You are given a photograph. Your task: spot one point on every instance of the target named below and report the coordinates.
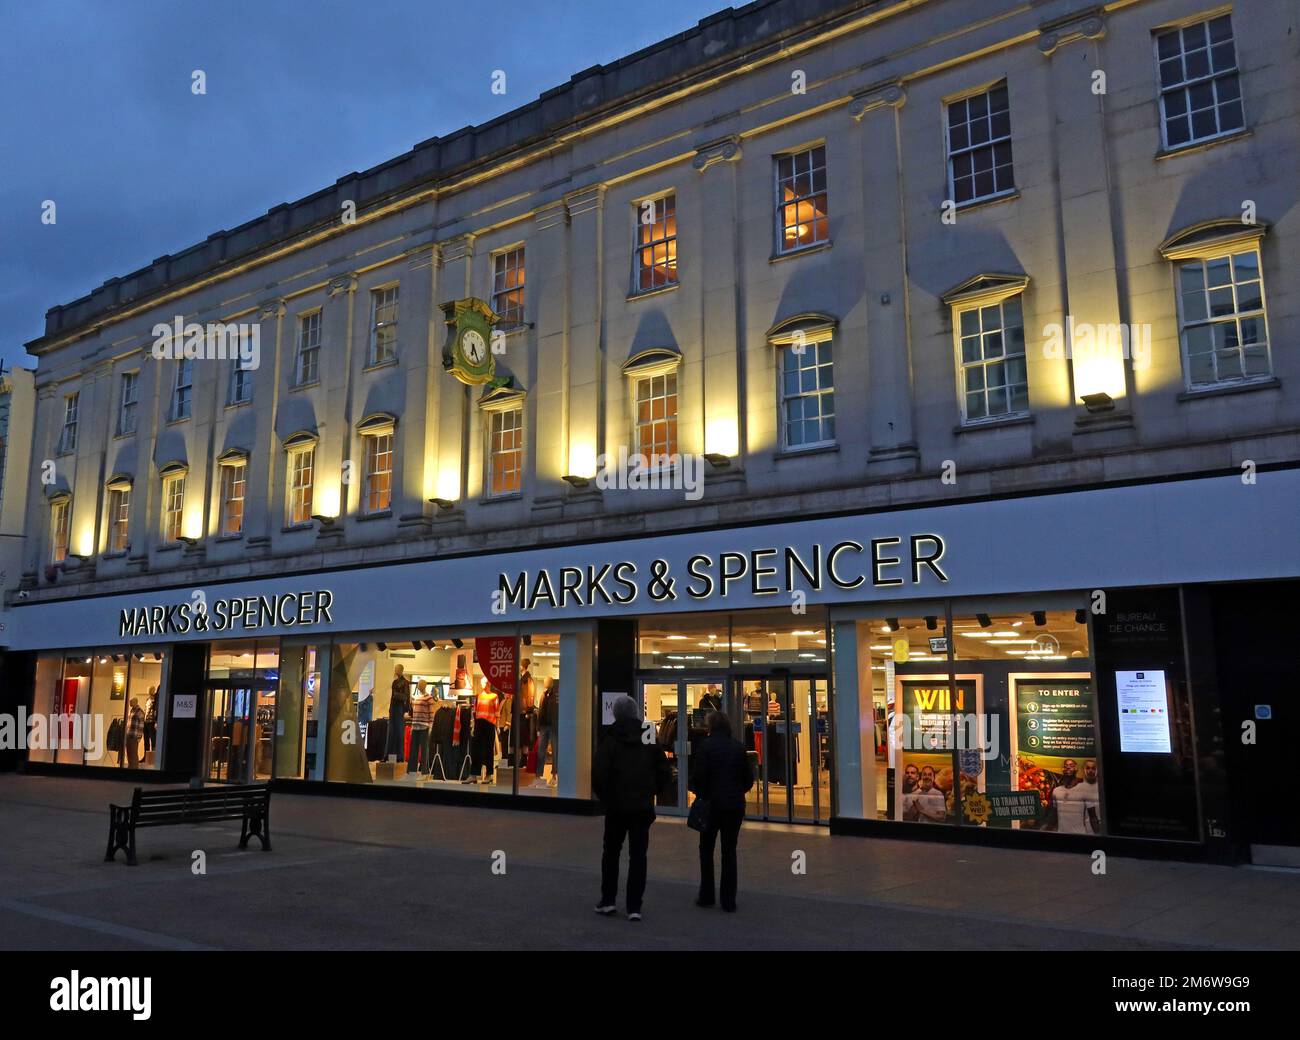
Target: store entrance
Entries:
(786, 730)
(240, 733)
(678, 710)
(784, 724)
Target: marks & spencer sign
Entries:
(783, 571)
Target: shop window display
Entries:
(104, 705)
(995, 727)
(419, 711)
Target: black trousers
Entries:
(635, 827)
(482, 748)
(727, 823)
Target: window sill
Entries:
(1226, 389)
(294, 528)
(238, 404)
(229, 538)
(491, 500)
(988, 200)
(789, 254)
(383, 514)
(994, 424)
(389, 363)
(643, 294)
(800, 453)
(177, 421)
(304, 386)
(170, 547)
(122, 434)
(1204, 143)
(64, 451)
(115, 555)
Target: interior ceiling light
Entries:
(931, 622)
(892, 623)
(1081, 616)
(1040, 618)
(984, 620)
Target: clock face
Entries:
(474, 347)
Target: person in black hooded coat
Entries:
(722, 775)
(628, 773)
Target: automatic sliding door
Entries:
(660, 705)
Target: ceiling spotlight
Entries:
(382, 646)
(931, 622)
(429, 644)
(892, 623)
(363, 647)
(984, 620)
(1081, 616)
(157, 657)
(459, 644)
(415, 644)
(1040, 618)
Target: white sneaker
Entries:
(539, 782)
(634, 917)
(606, 909)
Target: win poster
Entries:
(937, 767)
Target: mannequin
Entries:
(487, 712)
(422, 707)
(398, 709)
(150, 721)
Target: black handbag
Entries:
(698, 819)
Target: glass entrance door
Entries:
(786, 731)
(678, 711)
(241, 734)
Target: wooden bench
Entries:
(249, 803)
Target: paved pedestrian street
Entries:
(360, 874)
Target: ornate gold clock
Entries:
(467, 354)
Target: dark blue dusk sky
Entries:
(96, 112)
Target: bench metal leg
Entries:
(257, 826)
(121, 835)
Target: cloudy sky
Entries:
(97, 114)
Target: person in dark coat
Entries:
(722, 775)
(630, 769)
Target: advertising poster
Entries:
(931, 734)
(496, 659)
(1056, 753)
